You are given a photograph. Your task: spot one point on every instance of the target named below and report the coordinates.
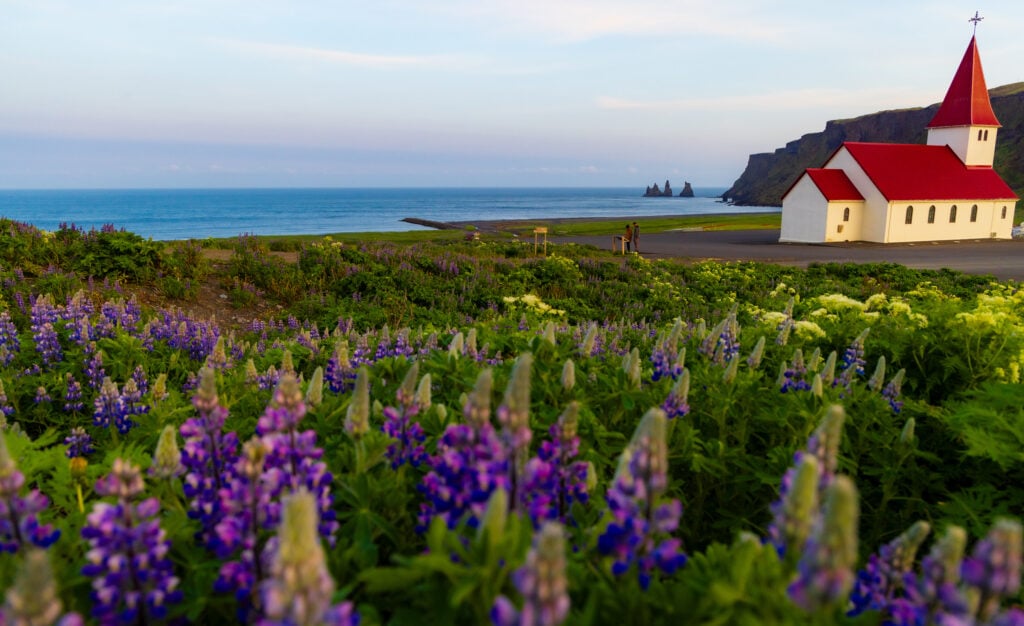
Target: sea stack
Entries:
(656, 192)
(687, 191)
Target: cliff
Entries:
(769, 175)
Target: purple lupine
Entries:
(514, 417)
(552, 480)
(823, 445)
(794, 377)
(722, 344)
(248, 500)
(133, 403)
(109, 407)
(398, 424)
(468, 466)
(209, 456)
(94, 372)
(339, 373)
(294, 453)
(931, 596)
(852, 364)
(73, 395)
(825, 571)
(6, 409)
(882, 580)
(994, 567)
(541, 581)
(639, 527)
(891, 392)
(10, 345)
(42, 395)
(677, 402)
(133, 578)
(299, 588)
(19, 515)
(79, 443)
(140, 379)
(44, 316)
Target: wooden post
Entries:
(537, 232)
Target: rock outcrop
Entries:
(656, 192)
(687, 191)
(769, 175)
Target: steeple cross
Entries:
(977, 18)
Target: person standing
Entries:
(636, 238)
(628, 237)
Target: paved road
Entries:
(1004, 259)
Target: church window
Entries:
(931, 214)
(910, 215)
(952, 214)
(986, 134)
(1004, 213)
(846, 214)
(974, 213)
(979, 134)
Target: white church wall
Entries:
(873, 215)
(989, 220)
(838, 229)
(803, 213)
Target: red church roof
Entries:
(913, 172)
(966, 102)
(835, 185)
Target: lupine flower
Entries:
(638, 525)
(794, 513)
(878, 377)
(109, 406)
(315, 390)
(167, 458)
(10, 345)
(754, 360)
(568, 375)
(891, 392)
(931, 596)
(44, 316)
(159, 388)
(299, 589)
(42, 395)
(542, 583)
(993, 569)
(357, 419)
(552, 480)
(586, 348)
(73, 396)
(398, 424)
(468, 466)
(879, 583)
(828, 371)
(133, 404)
(423, 399)
(140, 379)
(19, 515)
(514, 417)
(823, 445)
(209, 456)
(677, 402)
(133, 579)
(722, 344)
(825, 572)
(794, 377)
(294, 453)
(455, 348)
(34, 598)
(853, 361)
(5, 407)
(79, 443)
(631, 366)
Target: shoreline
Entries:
(511, 224)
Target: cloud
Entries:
(792, 100)
(344, 57)
(579, 20)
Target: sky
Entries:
(449, 93)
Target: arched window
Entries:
(974, 213)
(931, 214)
(910, 215)
(846, 214)
(986, 134)
(952, 214)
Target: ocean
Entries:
(173, 214)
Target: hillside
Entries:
(769, 175)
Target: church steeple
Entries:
(965, 121)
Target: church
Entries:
(894, 193)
